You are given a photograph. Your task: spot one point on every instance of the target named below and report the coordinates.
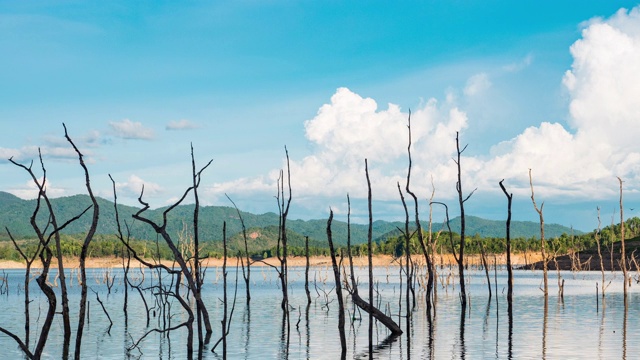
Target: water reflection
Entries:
(510, 331)
(624, 328)
(544, 326)
(463, 317)
(577, 328)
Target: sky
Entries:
(546, 86)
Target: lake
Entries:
(581, 326)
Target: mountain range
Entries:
(15, 215)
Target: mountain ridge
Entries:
(15, 214)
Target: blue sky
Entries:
(544, 85)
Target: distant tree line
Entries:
(111, 246)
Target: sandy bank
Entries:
(378, 260)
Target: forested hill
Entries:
(15, 214)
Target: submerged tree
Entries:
(623, 253)
(545, 265)
(185, 271)
(85, 247)
(246, 274)
(283, 209)
(508, 234)
(336, 274)
(45, 253)
(420, 235)
(461, 201)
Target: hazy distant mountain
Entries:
(15, 214)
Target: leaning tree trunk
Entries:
(362, 304)
(336, 274)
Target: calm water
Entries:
(575, 328)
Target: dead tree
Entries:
(432, 242)
(160, 290)
(545, 265)
(56, 235)
(461, 201)
(85, 247)
(623, 253)
(283, 209)
(28, 259)
(201, 311)
(419, 233)
(161, 229)
(306, 271)
(44, 235)
(485, 266)
(369, 255)
(247, 275)
(336, 274)
(597, 237)
(508, 231)
(355, 297)
(407, 239)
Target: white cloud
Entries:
(520, 65)
(579, 163)
(29, 190)
(182, 124)
(133, 187)
(351, 128)
(603, 86)
(128, 129)
(28, 153)
(477, 84)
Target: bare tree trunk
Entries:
(247, 276)
(486, 267)
(336, 274)
(85, 247)
(46, 256)
(597, 236)
(407, 252)
(419, 233)
(224, 301)
(545, 265)
(433, 276)
(306, 270)
(46, 259)
(362, 304)
(461, 201)
(283, 206)
(623, 253)
(27, 275)
(370, 254)
(509, 268)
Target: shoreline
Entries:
(293, 261)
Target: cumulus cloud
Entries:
(128, 129)
(182, 124)
(581, 162)
(349, 130)
(133, 186)
(603, 86)
(477, 84)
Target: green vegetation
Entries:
(262, 232)
(262, 243)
